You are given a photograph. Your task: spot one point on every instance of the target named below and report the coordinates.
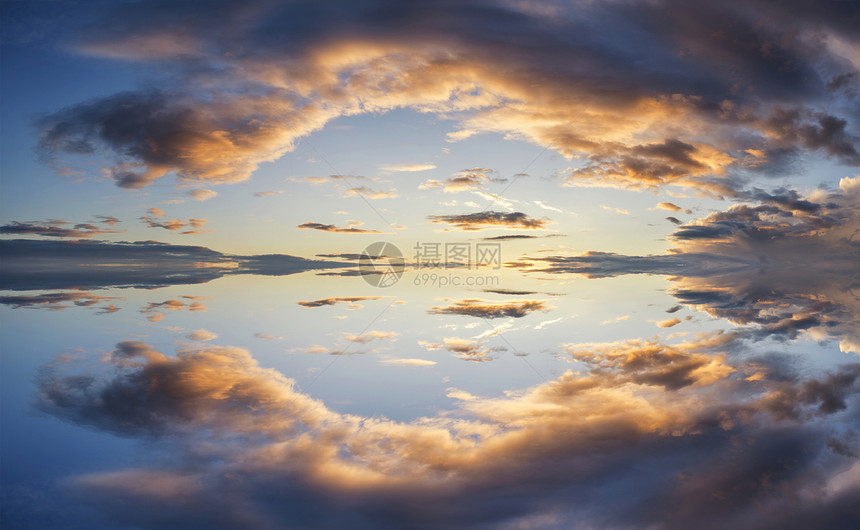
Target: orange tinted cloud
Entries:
(634, 399)
(483, 309)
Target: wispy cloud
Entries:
(338, 229)
(483, 309)
(60, 228)
(370, 336)
(407, 168)
(369, 193)
(407, 362)
(155, 218)
(202, 335)
(466, 349)
(59, 301)
(351, 301)
(202, 194)
(466, 180)
(486, 220)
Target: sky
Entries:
(474, 264)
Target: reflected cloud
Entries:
(483, 309)
(351, 301)
(155, 311)
(708, 432)
(60, 301)
(370, 336)
(466, 349)
(37, 264)
(407, 362)
(783, 267)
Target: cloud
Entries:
(547, 207)
(202, 194)
(108, 219)
(466, 349)
(352, 301)
(407, 168)
(407, 362)
(337, 229)
(317, 349)
(154, 219)
(483, 309)
(486, 220)
(370, 336)
(782, 267)
(780, 89)
(267, 193)
(510, 292)
(59, 228)
(513, 237)
(59, 301)
(369, 193)
(202, 335)
(652, 363)
(669, 206)
(465, 180)
(546, 323)
(154, 312)
(668, 323)
(685, 425)
(616, 210)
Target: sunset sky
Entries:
(649, 317)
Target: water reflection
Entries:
(725, 403)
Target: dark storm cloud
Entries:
(821, 131)
(487, 220)
(36, 264)
(666, 426)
